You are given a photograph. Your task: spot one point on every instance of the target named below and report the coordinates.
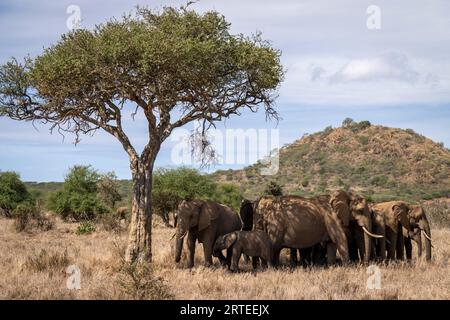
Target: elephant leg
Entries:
(207, 250)
(263, 263)
(392, 247)
(255, 263)
(382, 249)
(331, 253)
(276, 256)
(235, 258)
(318, 255)
(222, 258)
(293, 260)
(191, 249)
(361, 248)
(400, 246)
(229, 255)
(353, 251)
(408, 248)
(306, 256)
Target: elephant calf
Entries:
(255, 244)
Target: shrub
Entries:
(110, 222)
(12, 192)
(85, 227)
(171, 186)
(28, 217)
(108, 189)
(78, 200)
(228, 194)
(273, 189)
(305, 182)
(364, 140)
(348, 123)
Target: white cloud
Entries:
(386, 79)
(391, 66)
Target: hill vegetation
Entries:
(380, 162)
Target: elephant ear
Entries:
(208, 211)
(339, 201)
(230, 239)
(401, 213)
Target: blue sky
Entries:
(398, 75)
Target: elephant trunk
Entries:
(179, 243)
(427, 233)
(419, 244)
(367, 247)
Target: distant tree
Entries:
(108, 189)
(327, 130)
(78, 198)
(273, 189)
(171, 186)
(228, 194)
(12, 192)
(176, 66)
(364, 124)
(348, 122)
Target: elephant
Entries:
(296, 222)
(394, 216)
(255, 244)
(204, 221)
(419, 224)
(356, 219)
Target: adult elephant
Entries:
(204, 221)
(296, 222)
(394, 216)
(419, 224)
(355, 216)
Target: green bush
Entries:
(28, 217)
(171, 186)
(229, 195)
(76, 206)
(364, 140)
(85, 227)
(273, 189)
(78, 200)
(12, 192)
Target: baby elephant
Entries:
(255, 244)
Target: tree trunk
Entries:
(140, 233)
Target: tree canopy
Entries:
(176, 60)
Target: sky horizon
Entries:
(394, 73)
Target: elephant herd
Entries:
(318, 228)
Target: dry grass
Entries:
(34, 267)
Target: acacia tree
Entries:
(175, 66)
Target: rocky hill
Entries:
(380, 162)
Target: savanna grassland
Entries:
(34, 267)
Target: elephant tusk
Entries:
(426, 236)
(184, 234)
(371, 234)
